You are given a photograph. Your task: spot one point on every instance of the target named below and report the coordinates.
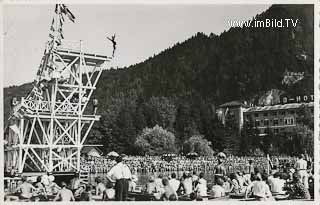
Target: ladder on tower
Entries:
(84, 176)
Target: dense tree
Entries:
(198, 144)
(155, 141)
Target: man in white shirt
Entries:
(174, 183)
(120, 174)
(301, 169)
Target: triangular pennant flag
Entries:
(70, 15)
(63, 9)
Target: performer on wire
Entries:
(114, 43)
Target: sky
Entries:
(141, 31)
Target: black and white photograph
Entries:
(158, 102)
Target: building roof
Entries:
(278, 107)
(87, 149)
(233, 104)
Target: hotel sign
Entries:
(296, 99)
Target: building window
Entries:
(289, 121)
(274, 113)
(257, 123)
(266, 122)
(292, 112)
(283, 112)
(262, 131)
(265, 114)
(256, 114)
(276, 131)
(275, 122)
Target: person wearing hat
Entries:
(120, 174)
(25, 189)
(301, 169)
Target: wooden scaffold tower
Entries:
(49, 127)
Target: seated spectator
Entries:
(132, 183)
(40, 188)
(235, 186)
(109, 193)
(201, 188)
(187, 184)
(174, 183)
(298, 189)
(158, 182)
(276, 184)
(64, 194)
(86, 194)
(217, 190)
(151, 186)
(169, 194)
(258, 189)
(52, 187)
(25, 189)
(100, 188)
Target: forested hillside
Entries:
(179, 88)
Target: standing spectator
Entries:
(220, 169)
(121, 174)
(301, 169)
(95, 105)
